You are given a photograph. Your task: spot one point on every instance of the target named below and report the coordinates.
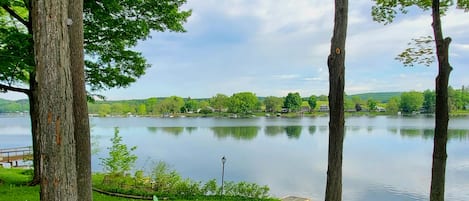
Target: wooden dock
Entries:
(13, 155)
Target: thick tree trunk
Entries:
(336, 64)
(52, 57)
(437, 189)
(80, 107)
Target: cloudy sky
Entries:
(272, 47)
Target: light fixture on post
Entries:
(223, 161)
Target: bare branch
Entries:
(5, 88)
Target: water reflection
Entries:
(274, 130)
(312, 129)
(152, 129)
(191, 129)
(239, 133)
(286, 158)
(293, 132)
(427, 134)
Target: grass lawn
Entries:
(13, 187)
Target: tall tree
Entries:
(411, 101)
(312, 102)
(293, 102)
(80, 107)
(111, 28)
(243, 102)
(429, 99)
(336, 64)
(385, 11)
(55, 100)
(273, 104)
(219, 102)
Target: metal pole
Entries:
(223, 160)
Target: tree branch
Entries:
(10, 88)
(15, 15)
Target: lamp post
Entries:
(223, 161)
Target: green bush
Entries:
(120, 160)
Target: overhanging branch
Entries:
(15, 89)
(15, 15)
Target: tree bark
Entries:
(437, 189)
(34, 115)
(336, 64)
(80, 107)
(52, 57)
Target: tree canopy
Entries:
(293, 101)
(243, 102)
(111, 29)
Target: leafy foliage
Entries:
(120, 160)
(166, 183)
(219, 102)
(111, 29)
(429, 101)
(273, 104)
(393, 105)
(385, 11)
(420, 51)
(411, 101)
(293, 101)
(243, 102)
(16, 60)
(372, 105)
(312, 102)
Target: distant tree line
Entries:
(247, 102)
(239, 103)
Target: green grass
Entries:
(13, 187)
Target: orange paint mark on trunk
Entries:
(49, 117)
(57, 131)
(56, 183)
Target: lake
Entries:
(386, 158)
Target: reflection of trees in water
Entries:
(324, 129)
(173, 130)
(152, 129)
(239, 133)
(427, 134)
(458, 134)
(290, 131)
(274, 130)
(191, 129)
(312, 130)
(393, 130)
(293, 131)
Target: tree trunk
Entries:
(437, 189)
(80, 107)
(52, 57)
(336, 66)
(34, 111)
(34, 115)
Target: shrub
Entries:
(120, 159)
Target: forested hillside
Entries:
(7, 106)
(378, 96)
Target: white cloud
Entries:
(275, 47)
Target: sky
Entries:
(273, 47)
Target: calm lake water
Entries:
(385, 158)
